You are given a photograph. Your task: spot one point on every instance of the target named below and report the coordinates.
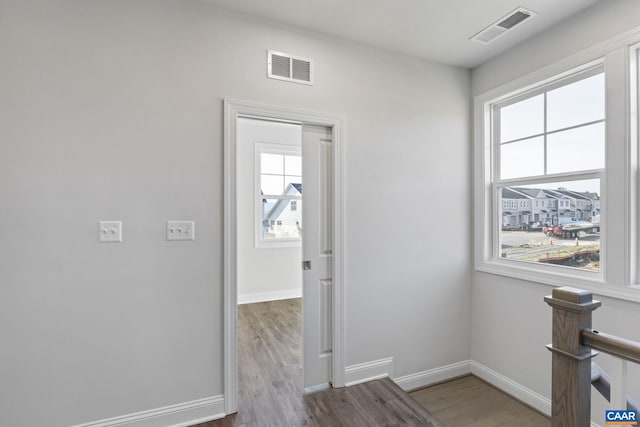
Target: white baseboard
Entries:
(433, 376)
(316, 388)
(180, 415)
(269, 296)
(369, 371)
(520, 392)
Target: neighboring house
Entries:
(523, 207)
(283, 219)
(593, 206)
(515, 208)
(560, 205)
(539, 211)
(581, 205)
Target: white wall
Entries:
(113, 110)
(511, 324)
(264, 274)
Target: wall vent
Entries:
(502, 25)
(283, 66)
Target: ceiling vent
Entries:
(283, 66)
(503, 25)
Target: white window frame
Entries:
(497, 183)
(269, 148)
(620, 185)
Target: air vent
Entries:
(283, 66)
(514, 19)
(503, 25)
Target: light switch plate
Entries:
(110, 231)
(181, 230)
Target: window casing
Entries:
(278, 195)
(618, 208)
(548, 148)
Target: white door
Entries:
(316, 253)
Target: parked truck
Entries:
(570, 228)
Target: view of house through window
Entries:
(554, 223)
(280, 195)
(550, 145)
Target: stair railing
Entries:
(572, 372)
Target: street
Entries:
(510, 239)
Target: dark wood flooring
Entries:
(271, 393)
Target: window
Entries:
(548, 148)
(278, 195)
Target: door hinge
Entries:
(306, 265)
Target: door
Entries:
(317, 209)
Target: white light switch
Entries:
(181, 230)
(110, 231)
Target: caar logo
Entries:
(621, 418)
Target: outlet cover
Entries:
(181, 230)
(110, 231)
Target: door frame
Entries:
(232, 110)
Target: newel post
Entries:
(571, 361)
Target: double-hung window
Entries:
(547, 153)
(278, 198)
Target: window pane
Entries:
(577, 103)
(272, 163)
(576, 149)
(272, 184)
(281, 219)
(522, 119)
(540, 223)
(293, 165)
(522, 158)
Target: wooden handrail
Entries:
(573, 341)
(611, 344)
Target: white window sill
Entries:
(594, 284)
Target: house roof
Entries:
(291, 190)
(508, 193)
(531, 192)
(573, 194)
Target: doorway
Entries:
(322, 282)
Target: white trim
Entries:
(583, 58)
(315, 388)
(432, 376)
(232, 110)
(269, 296)
(368, 371)
(509, 386)
(617, 278)
(179, 415)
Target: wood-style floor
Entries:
(271, 393)
(471, 402)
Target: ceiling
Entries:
(437, 30)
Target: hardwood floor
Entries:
(270, 381)
(271, 394)
(471, 402)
